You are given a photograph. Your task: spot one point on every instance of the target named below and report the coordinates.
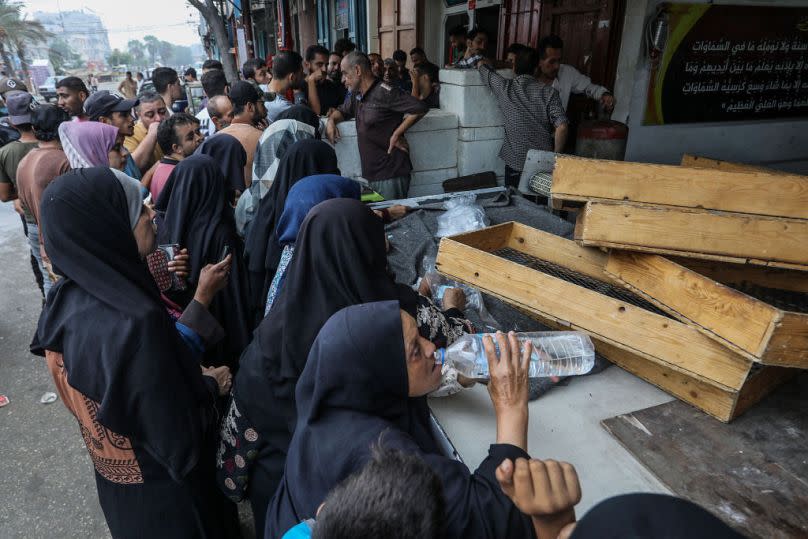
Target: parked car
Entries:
(48, 89)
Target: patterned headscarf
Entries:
(87, 144)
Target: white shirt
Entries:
(570, 80)
(206, 126)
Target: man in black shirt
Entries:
(322, 94)
(383, 114)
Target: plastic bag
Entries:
(463, 214)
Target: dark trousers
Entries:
(512, 177)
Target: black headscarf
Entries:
(339, 261)
(301, 113)
(228, 152)
(651, 515)
(352, 395)
(261, 247)
(119, 346)
(195, 214)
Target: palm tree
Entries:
(15, 32)
(28, 32)
(9, 16)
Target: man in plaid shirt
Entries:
(534, 116)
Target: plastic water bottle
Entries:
(555, 353)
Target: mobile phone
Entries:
(225, 252)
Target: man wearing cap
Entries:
(19, 110)
(116, 111)
(8, 84)
(248, 111)
(37, 169)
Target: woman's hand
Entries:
(180, 265)
(223, 377)
(212, 278)
(454, 298)
(508, 387)
(546, 490)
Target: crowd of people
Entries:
(220, 319)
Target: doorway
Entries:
(487, 19)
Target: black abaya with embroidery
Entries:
(145, 410)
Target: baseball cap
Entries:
(102, 103)
(47, 118)
(19, 107)
(242, 92)
(8, 84)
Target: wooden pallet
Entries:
(673, 355)
(765, 333)
(713, 235)
(760, 193)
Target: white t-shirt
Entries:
(206, 126)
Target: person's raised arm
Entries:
(508, 387)
(557, 116)
(546, 490)
(495, 82)
(312, 80)
(143, 152)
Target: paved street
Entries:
(47, 478)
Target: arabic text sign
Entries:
(730, 63)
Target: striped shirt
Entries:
(532, 110)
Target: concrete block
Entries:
(346, 129)
(430, 178)
(467, 77)
(479, 156)
(431, 150)
(435, 120)
(482, 133)
(347, 149)
(475, 106)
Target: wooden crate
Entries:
(757, 324)
(565, 285)
(760, 193)
(723, 236)
(698, 161)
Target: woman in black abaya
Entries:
(228, 152)
(193, 212)
(120, 366)
(340, 260)
(364, 385)
(262, 250)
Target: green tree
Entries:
(137, 51)
(16, 33)
(117, 57)
(152, 46)
(62, 56)
(166, 52)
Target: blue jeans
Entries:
(33, 242)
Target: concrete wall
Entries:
(781, 144)
(463, 137)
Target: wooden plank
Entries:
(719, 311)
(715, 400)
(698, 161)
(740, 274)
(615, 321)
(576, 178)
(487, 239)
(761, 384)
(751, 473)
(680, 230)
(789, 343)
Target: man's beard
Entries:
(335, 77)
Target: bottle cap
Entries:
(440, 356)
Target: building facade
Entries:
(83, 31)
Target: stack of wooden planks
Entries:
(717, 335)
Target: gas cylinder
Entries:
(602, 139)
